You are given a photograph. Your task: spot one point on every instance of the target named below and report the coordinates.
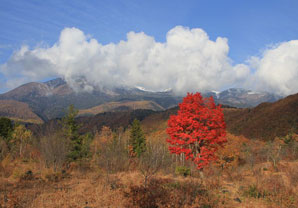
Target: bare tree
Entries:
(3, 148)
(111, 150)
(152, 160)
(54, 150)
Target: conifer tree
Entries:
(137, 139)
(70, 130)
(6, 128)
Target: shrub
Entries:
(183, 171)
(254, 192)
(151, 196)
(28, 175)
(169, 193)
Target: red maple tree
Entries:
(197, 130)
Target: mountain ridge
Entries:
(50, 99)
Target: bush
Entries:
(182, 170)
(28, 175)
(169, 193)
(254, 192)
(151, 196)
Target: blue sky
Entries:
(250, 26)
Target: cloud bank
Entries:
(187, 61)
(277, 69)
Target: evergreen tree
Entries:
(6, 129)
(137, 138)
(70, 131)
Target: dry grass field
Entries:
(242, 177)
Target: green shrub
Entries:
(182, 170)
(254, 192)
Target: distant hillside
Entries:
(18, 111)
(122, 106)
(266, 121)
(94, 123)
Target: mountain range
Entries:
(265, 121)
(48, 100)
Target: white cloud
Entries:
(187, 61)
(277, 69)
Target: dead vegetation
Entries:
(249, 173)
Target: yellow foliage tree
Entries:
(228, 156)
(20, 139)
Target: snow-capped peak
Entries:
(253, 93)
(146, 90)
(216, 93)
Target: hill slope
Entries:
(266, 121)
(94, 123)
(121, 106)
(18, 111)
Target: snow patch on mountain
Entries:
(147, 90)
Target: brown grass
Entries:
(96, 188)
(241, 182)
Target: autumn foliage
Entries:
(197, 130)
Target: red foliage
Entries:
(198, 129)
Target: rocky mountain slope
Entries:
(50, 99)
(241, 98)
